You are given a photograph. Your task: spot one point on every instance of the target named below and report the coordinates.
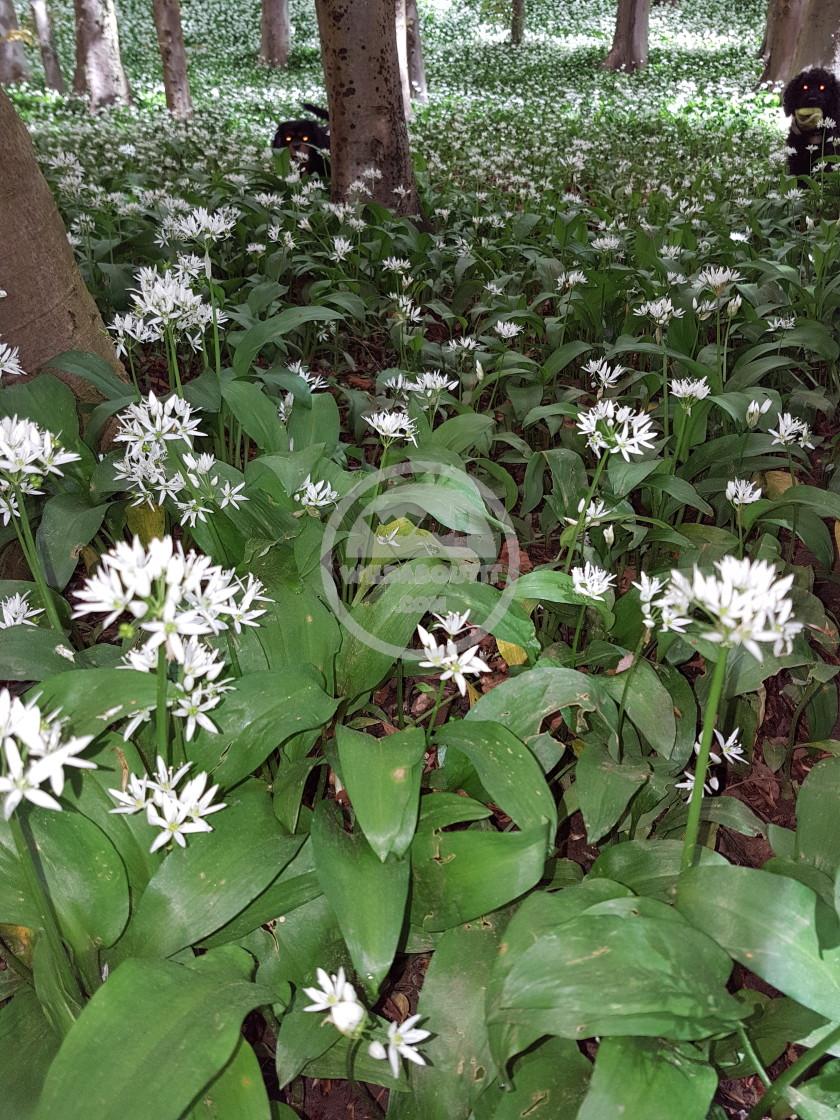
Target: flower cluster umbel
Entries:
(175, 812)
(27, 454)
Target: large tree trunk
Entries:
(52, 68)
(517, 22)
(47, 308)
(416, 66)
(784, 18)
(99, 69)
(13, 64)
(275, 34)
(367, 123)
(629, 51)
(819, 36)
(170, 37)
(401, 30)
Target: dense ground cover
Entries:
(574, 448)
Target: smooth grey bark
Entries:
(401, 29)
(13, 64)
(416, 66)
(781, 32)
(275, 33)
(818, 42)
(629, 50)
(46, 43)
(170, 36)
(367, 122)
(99, 70)
(517, 22)
(47, 308)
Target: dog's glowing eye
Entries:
(804, 87)
(822, 87)
(288, 139)
(304, 138)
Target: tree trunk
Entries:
(170, 37)
(784, 19)
(52, 68)
(47, 308)
(517, 22)
(818, 43)
(275, 33)
(401, 30)
(367, 123)
(13, 64)
(629, 51)
(99, 69)
(416, 66)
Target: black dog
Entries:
(812, 98)
(307, 141)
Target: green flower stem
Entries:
(69, 1008)
(739, 521)
(30, 553)
(576, 638)
(792, 541)
(666, 419)
(172, 362)
(162, 712)
(750, 1051)
(628, 679)
(570, 554)
(792, 1073)
(692, 826)
(436, 707)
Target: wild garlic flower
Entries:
(591, 581)
(616, 429)
(661, 311)
(743, 604)
(200, 225)
(17, 611)
(10, 361)
(153, 421)
(391, 426)
(602, 375)
(717, 278)
(33, 753)
(567, 280)
(176, 814)
(689, 391)
(755, 410)
(781, 323)
(315, 495)
(507, 329)
(402, 1042)
(730, 749)
(594, 515)
(791, 431)
(453, 622)
(449, 661)
(341, 249)
(710, 786)
(742, 493)
(429, 387)
(171, 594)
(339, 999)
(27, 454)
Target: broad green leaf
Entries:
(93, 699)
(491, 609)
(199, 888)
(25, 1032)
(169, 1032)
(522, 703)
(648, 1079)
(605, 787)
(774, 926)
(239, 1091)
(440, 809)
(93, 369)
(256, 413)
(647, 703)
(817, 823)
(68, 522)
(650, 868)
(84, 875)
(31, 653)
(458, 876)
(461, 433)
(333, 1064)
(368, 896)
(460, 1065)
(262, 711)
(51, 405)
(627, 974)
(273, 329)
(506, 768)
(382, 777)
(546, 1083)
(315, 422)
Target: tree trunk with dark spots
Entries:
(416, 66)
(99, 70)
(367, 122)
(629, 51)
(46, 43)
(517, 23)
(781, 32)
(275, 33)
(818, 42)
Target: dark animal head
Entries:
(813, 89)
(302, 138)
